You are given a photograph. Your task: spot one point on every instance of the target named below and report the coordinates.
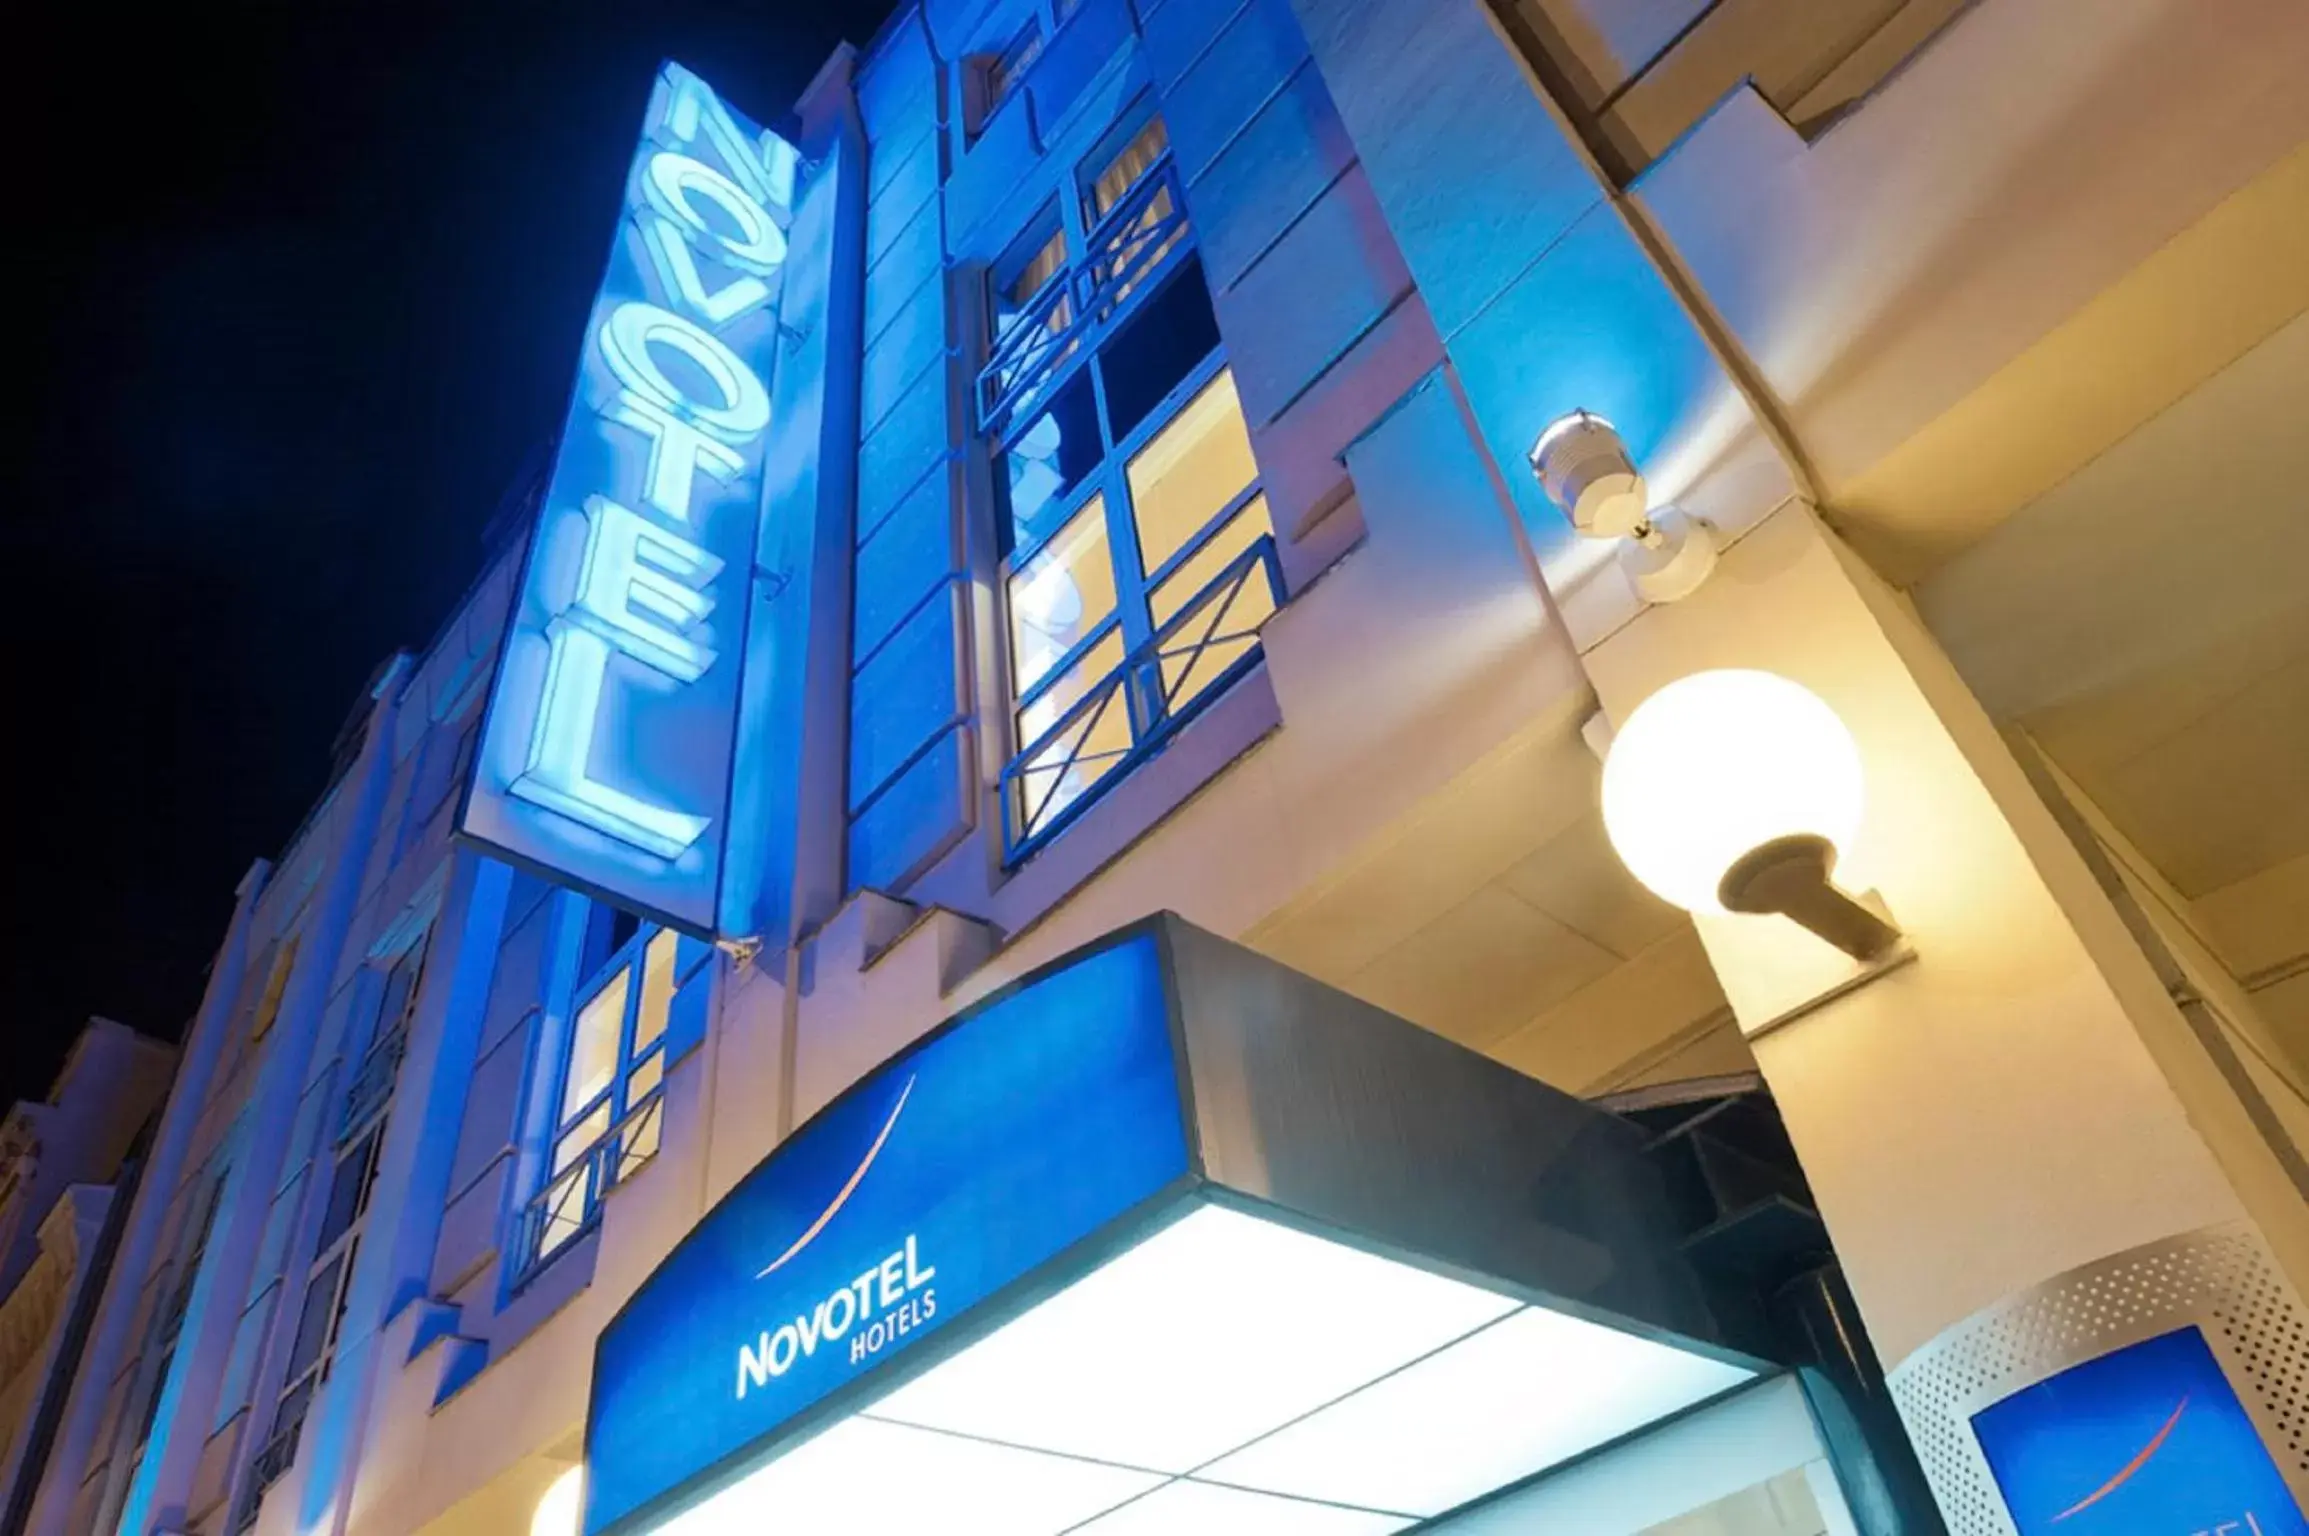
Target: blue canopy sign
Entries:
(950, 1172)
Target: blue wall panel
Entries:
(1175, 35)
(1086, 46)
(1475, 175)
(896, 454)
(1590, 327)
(917, 815)
(1268, 176)
(915, 548)
(905, 695)
(997, 181)
(1304, 304)
(903, 358)
(913, 258)
(898, 84)
(912, 184)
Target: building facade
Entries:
(1081, 467)
(68, 1168)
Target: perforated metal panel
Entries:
(2220, 1278)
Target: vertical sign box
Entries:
(605, 760)
(2151, 1440)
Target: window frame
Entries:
(1046, 19)
(1102, 308)
(354, 1139)
(608, 1158)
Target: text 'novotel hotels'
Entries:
(611, 729)
(881, 1306)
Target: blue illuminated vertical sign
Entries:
(606, 756)
(2148, 1440)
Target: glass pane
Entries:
(291, 1414)
(575, 1141)
(656, 988)
(642, 1081)
(563, 1209)
(1096, 666)
(1003, 75)
(393, 999)
(1092, 747)
(593, 1044)
(641, 1139)
(1049, 460)
(313, 1318)
(241, 1362)
(1157, 348)
(1198, 571)
(273, 1247)
(1129, 164)
(348, 1191)
(1213, 635)
(606, 930)
(1012, 297)
(1197, 464)
(1060, 596)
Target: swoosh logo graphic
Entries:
(856, 1178)
(2125, 1476)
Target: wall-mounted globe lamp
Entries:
(561, 1509)
(1737, 791)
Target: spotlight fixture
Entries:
(1584, 467)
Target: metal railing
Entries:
(270, 1464)
(1078, 305)
(1152, 684)
(372, 1085)
(570, 1202)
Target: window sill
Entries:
(1221, 732)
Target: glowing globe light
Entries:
(1716, 766)
(561, 1508)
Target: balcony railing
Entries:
(570, 1203)
(271, 1463)
(372, 1086)
(1072, 311)
(1193, 658)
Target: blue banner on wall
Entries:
(2146, 1441)
(605, 760)
(951, 1171)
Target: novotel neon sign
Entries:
(607, 752)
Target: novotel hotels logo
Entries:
(874, 1311)
(956, 1169)
(607, 752)
(879, 1307)
(2151, 1440)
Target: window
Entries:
(997, 75)
(609, 1079)
(175, 1300)
(276, 983)
(1006, 69)
(1139, 557)
(348, 1163)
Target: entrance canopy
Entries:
(1164, 1239)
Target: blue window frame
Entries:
(1139, 553)
(608, 1077)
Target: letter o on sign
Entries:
(673, 182)
(632, 329)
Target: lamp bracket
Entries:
(1792, 876)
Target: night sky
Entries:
(305, 284)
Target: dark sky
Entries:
(304, 283)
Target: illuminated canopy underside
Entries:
(1229, 1376)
